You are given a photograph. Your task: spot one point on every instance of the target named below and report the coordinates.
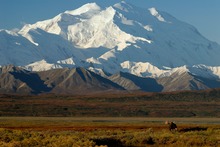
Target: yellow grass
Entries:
(93, 131)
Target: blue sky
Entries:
(203, 14)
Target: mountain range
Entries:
(121, 47)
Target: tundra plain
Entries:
(119, 119)
(108, 131)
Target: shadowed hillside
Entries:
(16, 80)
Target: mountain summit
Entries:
(119, 38)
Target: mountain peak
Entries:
(84, 9)
(118, 38)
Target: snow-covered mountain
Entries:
(119, 38)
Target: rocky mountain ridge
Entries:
(81, 81)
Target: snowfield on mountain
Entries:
(147, 43)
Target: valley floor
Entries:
(120, 119)
(178, 104)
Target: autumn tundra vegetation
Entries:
(113, 120)
(111, 132)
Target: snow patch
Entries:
(12, 33)
(155, 13)
(93, 60)
(146, 69)
(141, 69)
(41, 66)
(125, 21)
(148, 28)
(17, 43)
(121, 7)
(69, 61)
